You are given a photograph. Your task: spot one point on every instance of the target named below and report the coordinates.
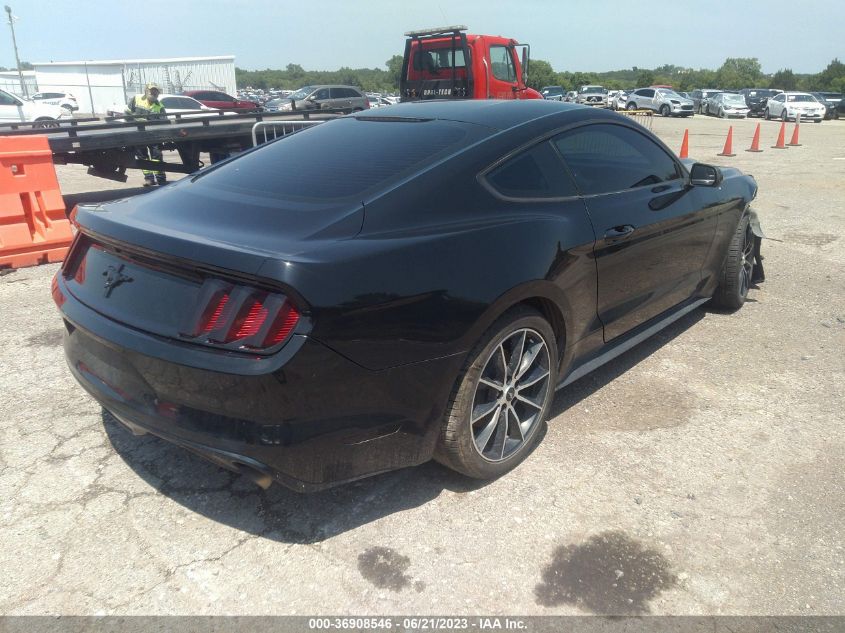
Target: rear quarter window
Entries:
(536, 173)
(342, 159)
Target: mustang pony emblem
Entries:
(114, 277)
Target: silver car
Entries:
(663, 100)
(727, 104)
(592, 96)
(346, 98)
(699, 99)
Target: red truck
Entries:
(449, 63)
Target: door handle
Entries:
(618, 233)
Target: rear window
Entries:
(345, 158)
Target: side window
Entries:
(7, 99)
(647, 92)
(534, 173)
(323, 93)
(605, 158)
(502, 63)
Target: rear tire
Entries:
(497, 412)
(738, 269)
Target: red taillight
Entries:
(237, 317)
(58, 295)
(283, 325)
(252, 322)
(209, 322)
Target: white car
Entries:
(173, 104)
(789, 105)
(15, 109)
(62, 99)
(378, 102)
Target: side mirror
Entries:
(702, 175)
(312, 99)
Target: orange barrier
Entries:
(33, 226)
(685, 146)
(729, 144)
(794, 142)
(781, 136)
(755, 143)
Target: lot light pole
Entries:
(15, 44)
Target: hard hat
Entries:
(153, 86)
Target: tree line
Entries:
(735, 73)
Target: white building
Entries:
(97, 85)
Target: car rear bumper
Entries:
(316, 421)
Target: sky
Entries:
(597, 35)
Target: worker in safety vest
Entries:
(148, 106)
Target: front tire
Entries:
(722, 114)
(45, 122)
(665, 111)
(783, 116)
(767, 115)
(631, 106)
(497, 413)
(738, 269)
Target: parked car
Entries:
(507, 249)
(553, 93)
(221, 101)
(15, 109)
(727, 104)
(185, 107)
(666, 102)
(592, 96)
(62, 99)
(699, 99)
(379, 102)
(618, 101)
(831, 101)
(755, 99)
(789, 105)
(345, 98)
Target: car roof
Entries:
(495, 113)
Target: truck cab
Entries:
(449, 63)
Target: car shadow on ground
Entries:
(286, 516)
(595, 380)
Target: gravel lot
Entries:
(700, 473)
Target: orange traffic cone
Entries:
(794, 142)
(755, 144)
(729, 142)
(780, 143)
(685, 145)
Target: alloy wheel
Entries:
(510, 395)
(745, 273)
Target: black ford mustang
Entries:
(406, 283)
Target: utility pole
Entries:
(15, 44)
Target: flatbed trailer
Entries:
(107, 145)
